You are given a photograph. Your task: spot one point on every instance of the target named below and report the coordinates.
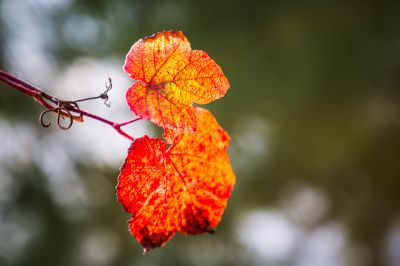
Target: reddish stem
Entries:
(47, 100)
(127, 122)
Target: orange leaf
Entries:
(181, 189)
(170, 78)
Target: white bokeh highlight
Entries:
(251, 143)
(305, 205)
(267, 235)
(393, 245)
(98, 246)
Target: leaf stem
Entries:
(52, 103)
(127, 122)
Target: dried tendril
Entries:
(64, 109)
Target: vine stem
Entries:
(50, 103)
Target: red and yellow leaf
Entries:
(181, 189)
(170, 78)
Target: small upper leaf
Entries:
(181, 189)
(170, 78)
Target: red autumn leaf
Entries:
(181, 189)
(170, 78)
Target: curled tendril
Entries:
(60, 115)
(41, 118)
(65, 108)
(63, 111)
(104, 95)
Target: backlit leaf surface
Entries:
(170, 78)
(183, 188)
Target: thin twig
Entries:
(64, 109)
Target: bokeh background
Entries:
(313, 112)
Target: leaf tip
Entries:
(145, 250)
